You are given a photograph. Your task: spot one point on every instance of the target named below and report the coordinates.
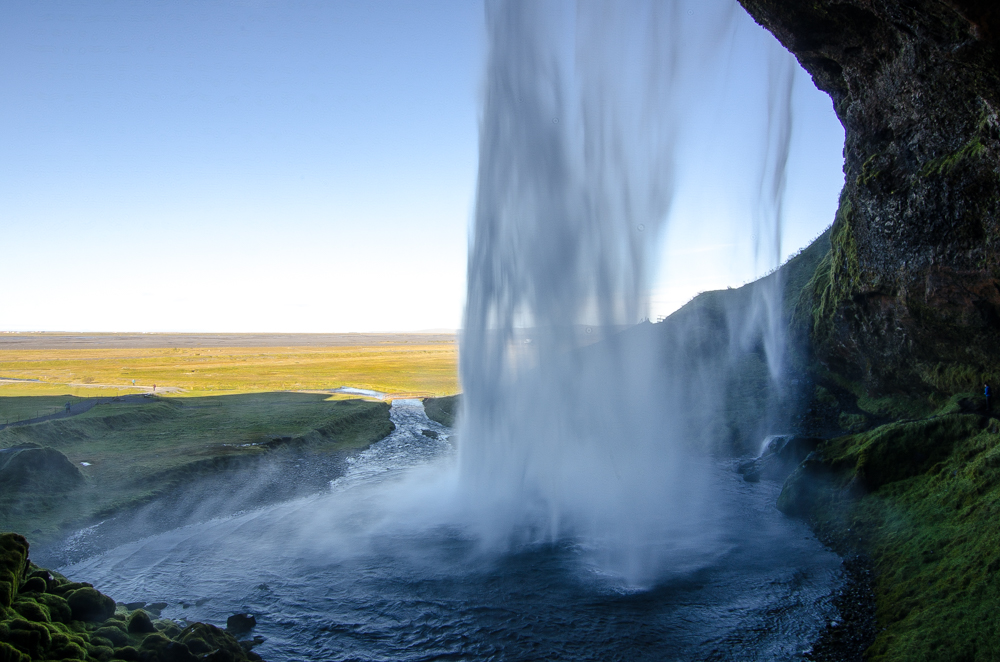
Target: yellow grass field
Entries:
(400, 369)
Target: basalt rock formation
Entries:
(909, 299)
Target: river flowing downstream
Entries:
(357, 573)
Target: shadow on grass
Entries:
(244, 449)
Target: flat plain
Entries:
(78, 441)
(185, 365)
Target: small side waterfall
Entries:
(576, 423)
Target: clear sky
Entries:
(280, 166)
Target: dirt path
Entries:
(75, 409)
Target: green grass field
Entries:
(215, 408)
(130, 452)
(404, 369)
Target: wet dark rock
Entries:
(804, 488)
(89, 604)
(429, 433)
(793, 448)
(154, 608)
(44, 575)
(779, 459)
(909, 298)
(132, 606)
(848, 637)
(240, 624)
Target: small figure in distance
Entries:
(154, 388)
(986, 394)
(67, 407)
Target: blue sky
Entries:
(277, 166)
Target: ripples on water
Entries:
(357, 573)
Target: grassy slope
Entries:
(137, 450)
(918, 491)
(442, 410)
(922, 498)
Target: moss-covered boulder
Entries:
(115, 634)
(140, 623)
(13, 563)
(216, 644)
(10, 654)
(160, 648)
(59, 609)
(90, 605)
(44, 616)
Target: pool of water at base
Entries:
(326, 583)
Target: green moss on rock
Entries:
(10, 654)
(13, 563)
(64, 620)
(837, 275)
(114, 634)
(922, 498)
(90, 605)
(140, 623)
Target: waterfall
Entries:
(577, 420)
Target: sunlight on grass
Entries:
(400, 369)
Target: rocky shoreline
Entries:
(45, 616)
(847, 639)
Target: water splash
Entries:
(577, 424)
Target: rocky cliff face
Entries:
(909, 297)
